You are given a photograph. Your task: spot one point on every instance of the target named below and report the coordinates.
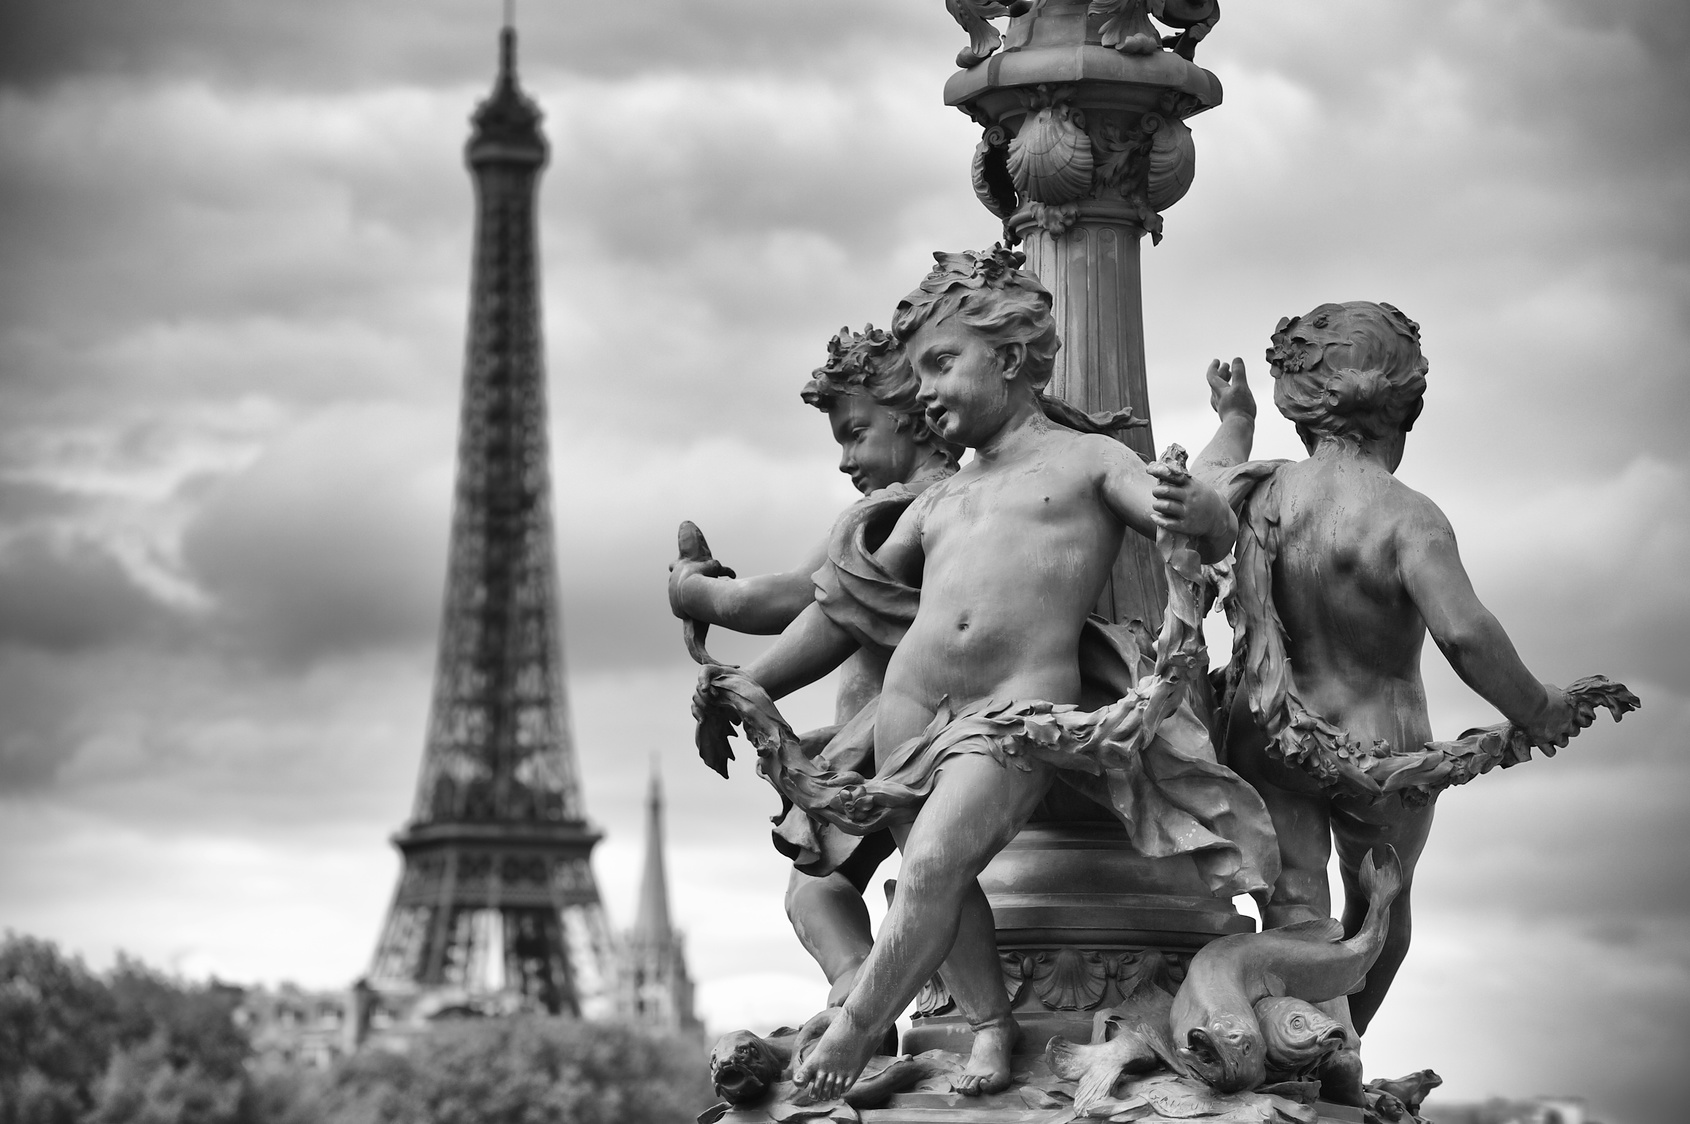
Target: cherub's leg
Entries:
(975, 808)
(1300, 893)
(974, 977)
(832, 923)
(1358, 830)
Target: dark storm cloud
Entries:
(38, 701)
(72, 596)
(330, 543)
(320, 44)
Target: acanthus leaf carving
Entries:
(974, 16)
(1125, 24)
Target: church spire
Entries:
(655, 988)
(651, 922)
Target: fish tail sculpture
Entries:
(1096, 1067)
(1382, 884)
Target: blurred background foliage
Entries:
(136, 1046)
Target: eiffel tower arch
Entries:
(497, 908)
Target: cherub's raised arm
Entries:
(1235, 405)
(1149, 497)
(762, 605)
(1467, 633)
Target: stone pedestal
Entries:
(1076, 910)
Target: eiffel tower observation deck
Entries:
(497, 908)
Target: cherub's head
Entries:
(868, 392)
(983, 303)
(1350, 371)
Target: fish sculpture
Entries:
(1215, 1027)
(1296, 1035)
(744, 1067)
(690, 543)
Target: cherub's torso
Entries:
(1354, 635)
(1015, 551)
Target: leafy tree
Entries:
(525, 1071)
(149, 1084)
(56, 1020)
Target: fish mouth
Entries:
(1222, 1064)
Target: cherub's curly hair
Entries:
(871, 362)
(990, 292)
(1352, 371)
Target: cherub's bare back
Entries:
(1014, 557)
(1354, 634)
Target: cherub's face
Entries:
(872, 450)
(964, 386)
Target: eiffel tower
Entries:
(497, 907)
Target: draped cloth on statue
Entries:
(1143, 754)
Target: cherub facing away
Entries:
(1356, 568)
(1009, 555)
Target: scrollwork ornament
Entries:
(993, 185)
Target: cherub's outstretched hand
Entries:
(1229, 390)
(713, 720)
(1182, 503)
(694, 561)
(1562, 717)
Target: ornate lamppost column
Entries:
(1083, 146)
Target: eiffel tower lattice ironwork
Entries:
(497, 903)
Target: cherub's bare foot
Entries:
(814, 1027)
(988, 1069)
(833, 1064)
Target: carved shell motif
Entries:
(1069, 979)
(1050, 159)
(1172, 165)
(934, 999)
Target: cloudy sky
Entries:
(235, 239)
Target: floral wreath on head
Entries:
(996, 268)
